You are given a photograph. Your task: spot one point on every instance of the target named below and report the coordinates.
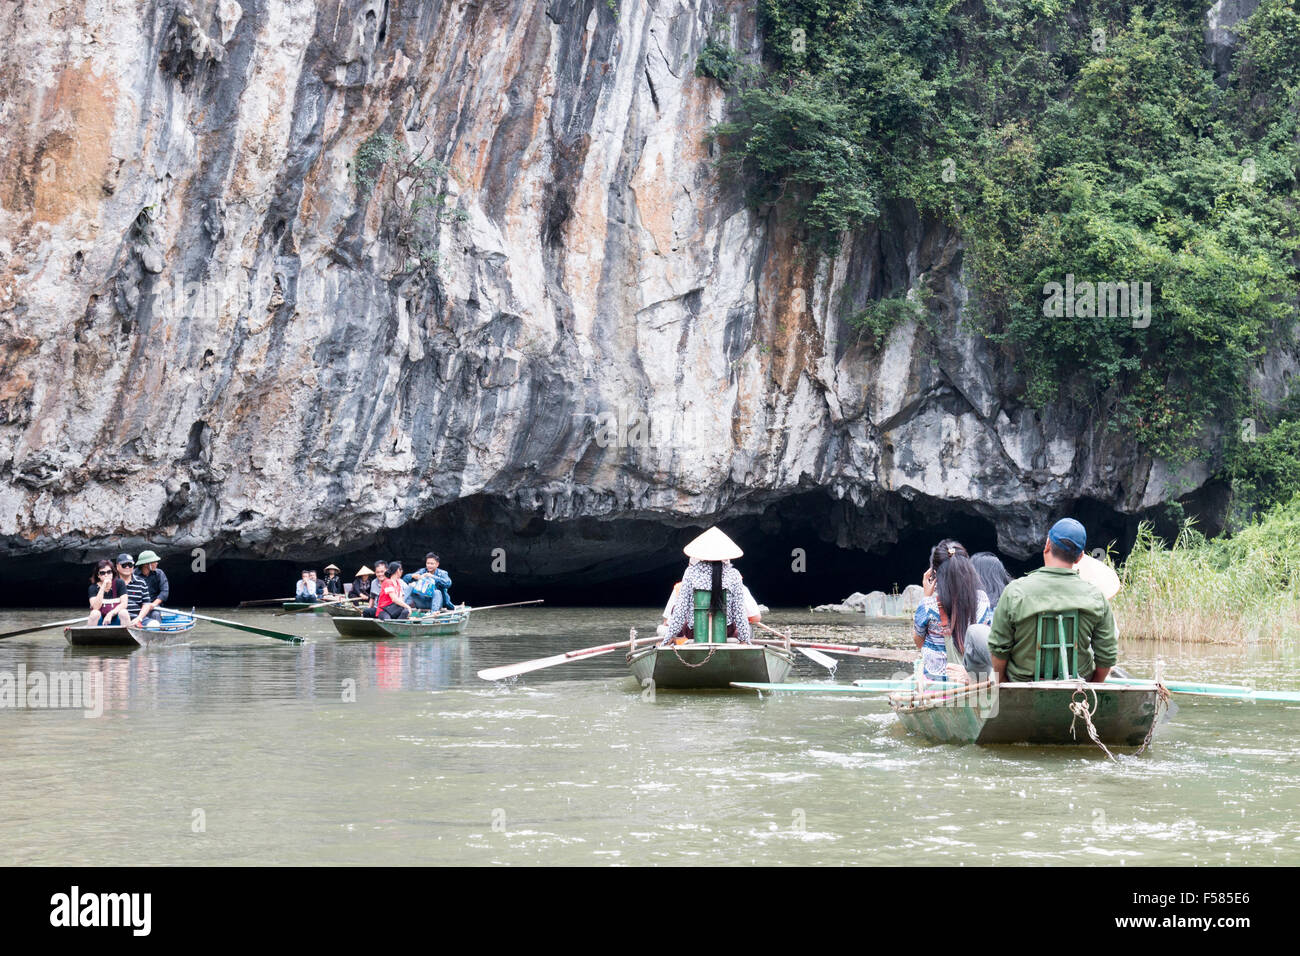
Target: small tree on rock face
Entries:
(411, 187)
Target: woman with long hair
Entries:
(993, 575)
(107, 597)
(953, 603)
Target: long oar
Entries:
(511, 670)
(854, 650)
(312, 607)
(492, 607)
(264, 601)
(1226, 691)
(874, 687)
(817, 657)
(41, 627)
(291, 638)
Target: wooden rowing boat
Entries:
(358, 627)
(173, 624)
(1031, 712)
(709, 664)
(341, 610)
(442, 624)
(173, 630)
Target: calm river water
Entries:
(239, 749)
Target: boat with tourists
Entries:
(439, 624)
(169, 630)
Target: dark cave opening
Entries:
(800, 550)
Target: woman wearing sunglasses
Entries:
(107, 597)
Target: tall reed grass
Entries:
(1239, 589)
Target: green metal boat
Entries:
(358, 627)
(304, 606)
(1032, 712)
(708, 664)
(709, 660)
(429, 625)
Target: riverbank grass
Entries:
(1233, 590)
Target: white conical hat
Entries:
(713, 545)
(1100, 574)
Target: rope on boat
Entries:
(1079, 707)
(1162, 704)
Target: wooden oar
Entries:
(41, 627)
(291, 638)
(312, 607)
(876, 687)
(817, 657)
(851, 650)
(1226, 691)
(492, 607)
(511, 670)
(264, 601)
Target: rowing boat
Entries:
(704, 664)
(173, 630)
(357, 626)
(429, 625)
(1032, 712)
(172, 625)
(341, 610)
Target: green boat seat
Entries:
(709, 627)
(1058, 652)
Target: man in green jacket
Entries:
(1055, 587)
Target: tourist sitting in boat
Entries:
(360, 586)
(107, 597)
(139, 608)
(390, 606)
(146, 565)
(953, 602)
(376, 587)
(711, 572)
(1053, 589)
(331, 589)
(430, 586)
(993, 575)
(306, 590)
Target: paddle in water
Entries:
(42, 627)
(279, 636)
(512, 670)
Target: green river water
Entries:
(238, 749)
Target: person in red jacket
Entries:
(390, 605)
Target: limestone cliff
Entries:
(278, 277)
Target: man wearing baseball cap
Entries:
(1054, 588)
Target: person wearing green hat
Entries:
(146, 566)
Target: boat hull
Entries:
(303, 607)
(690, 666)
(443, 626)
(173, 629)
(362, 627)
(1031, 713)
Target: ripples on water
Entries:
(252, 744)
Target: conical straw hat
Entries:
(713, 545)
(364, 570)
(332, 567)
(1099, 573)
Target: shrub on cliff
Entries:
(1084, 140)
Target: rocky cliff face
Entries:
(287, 277)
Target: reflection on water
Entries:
(235, 749)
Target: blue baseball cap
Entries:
(1068, 533)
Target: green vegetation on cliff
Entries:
(1089, 140)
